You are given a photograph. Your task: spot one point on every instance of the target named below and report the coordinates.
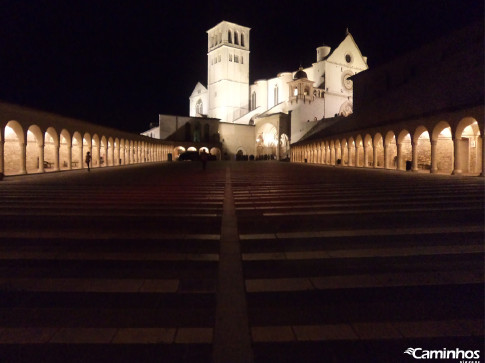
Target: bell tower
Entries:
(228, 71)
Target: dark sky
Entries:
(121, 63)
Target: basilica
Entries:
(237, 119)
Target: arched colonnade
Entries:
(436, 147)
(27, 147)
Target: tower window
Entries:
(219, 58)
(230, 57)
(242, 39)
(220, 38)
(253, 101)
(236, 59)
(229, 36)
(242, 60)
(236, 38)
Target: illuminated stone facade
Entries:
(412, 113)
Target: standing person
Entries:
(203, 158)
(88, 159)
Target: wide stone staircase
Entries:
(352, 266)
(110, 265)
(338, 264)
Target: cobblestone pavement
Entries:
(248, 261)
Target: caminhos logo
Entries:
(463, 355)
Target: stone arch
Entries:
(345, 152)
(332, 152)
(404, 149)
(111, 152)
(177, 151)
(338, 152)
(216, 152)
(122, 152)
(442, 148)
(51, 149)
(390, 151)
(284, 146)
(77, 151)
(65, 150)
(14, 149)
(421, 149)
(378, 151)
(368, 151)
(359, 151)
(351, 152)
(468, 147)
(103, 152)
(95, 151)
(34, 158)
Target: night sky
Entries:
(121, 63)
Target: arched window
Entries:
(219, 38)
(253, 101)
(242, 39)
(275, 94)
(199, 107)
(236, 38)
(229, 36)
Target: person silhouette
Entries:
(203, 158)
(88, 159)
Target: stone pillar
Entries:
(457, 147)
(69, 157)
(2, 154)
(98, 152)
(349, 156)
(434, 157)
(23, 158)
(56, 157)
(399, 156)
(414, 145)
(366, 157)
(41, 158)
(374, 156)
(483, 156)
(386, 157)
(357, 148)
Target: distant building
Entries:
(263, 119)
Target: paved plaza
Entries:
(243, 262)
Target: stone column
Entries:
(366, 157)
(399, 156)
(374, 156)
(434, 156)
(56, 157)
(357, 148)
(23, 158)
(386, 157)
(457, 148)
(349, 155)
(41, 158)
(98, 152)
(69, 157)
(483, 155)
(414, 145)
(2, 154)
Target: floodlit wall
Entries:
(33, 141)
